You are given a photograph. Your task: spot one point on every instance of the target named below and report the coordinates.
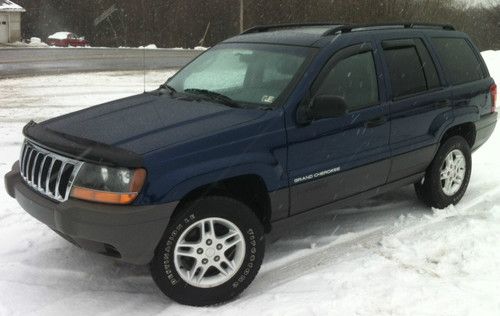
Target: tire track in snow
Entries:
(328, 254)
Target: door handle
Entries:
(376, 122)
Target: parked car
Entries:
(275, 122)
(66, 39)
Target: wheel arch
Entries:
(249, 189)
(466, 129)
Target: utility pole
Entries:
(241, 15)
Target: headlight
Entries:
(108, 185)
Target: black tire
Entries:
(430, 190)
(165, 273)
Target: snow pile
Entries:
(150, 46)
(35, 42)
(493, 58)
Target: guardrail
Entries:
(32, 61)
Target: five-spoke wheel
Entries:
(447, 177)
(209, 252)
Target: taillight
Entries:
(493, 92)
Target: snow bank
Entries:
(150, 46)
(35, 42)
(492, 58)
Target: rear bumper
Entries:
(484, 128)
(129, 233)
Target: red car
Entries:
(66, 39)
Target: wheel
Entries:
(448, 176)
(211, 251)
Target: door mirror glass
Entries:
(327, 106)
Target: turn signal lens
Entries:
(102, 197)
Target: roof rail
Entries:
(406, 25)
(267, 28)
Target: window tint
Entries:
(411, 67)
(430, 71)
(460, 63)
(405, 70)
(354, 79)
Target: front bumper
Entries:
(130, 233)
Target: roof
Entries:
(9, 6)
(300, 35)
(60, 35)
(318, 35)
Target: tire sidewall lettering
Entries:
(169, 269)
(251, 251)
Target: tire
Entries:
(433, 190)
(171, 263)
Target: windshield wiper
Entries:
(167, 87)
(215, 96)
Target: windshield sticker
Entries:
(268, 99)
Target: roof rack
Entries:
(406, 25)
(267, 28)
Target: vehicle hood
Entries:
(147, 122)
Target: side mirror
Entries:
(326, 106)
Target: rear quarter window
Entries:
(461, 65)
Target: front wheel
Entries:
(448, 176)
(210, 252)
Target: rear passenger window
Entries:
(353, 78)
(460, 63)
(411, 68)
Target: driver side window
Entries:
(354, 79)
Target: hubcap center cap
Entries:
(210, 252)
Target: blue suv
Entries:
(277, 121)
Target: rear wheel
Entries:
(448, 176)
(210, 252)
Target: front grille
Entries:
(46, 172)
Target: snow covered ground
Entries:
(392, 257)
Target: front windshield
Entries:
(250, 74)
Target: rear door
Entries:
(333, 158)
(418, 107)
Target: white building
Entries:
(10, 21)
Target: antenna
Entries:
(144, 45)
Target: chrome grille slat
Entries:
(58, 181)
(24, 151)
(49, 177)
(34, 159)
(28, 170)
(32, 178)
(42, 164)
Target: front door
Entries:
(4, 28)
(333, 158)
